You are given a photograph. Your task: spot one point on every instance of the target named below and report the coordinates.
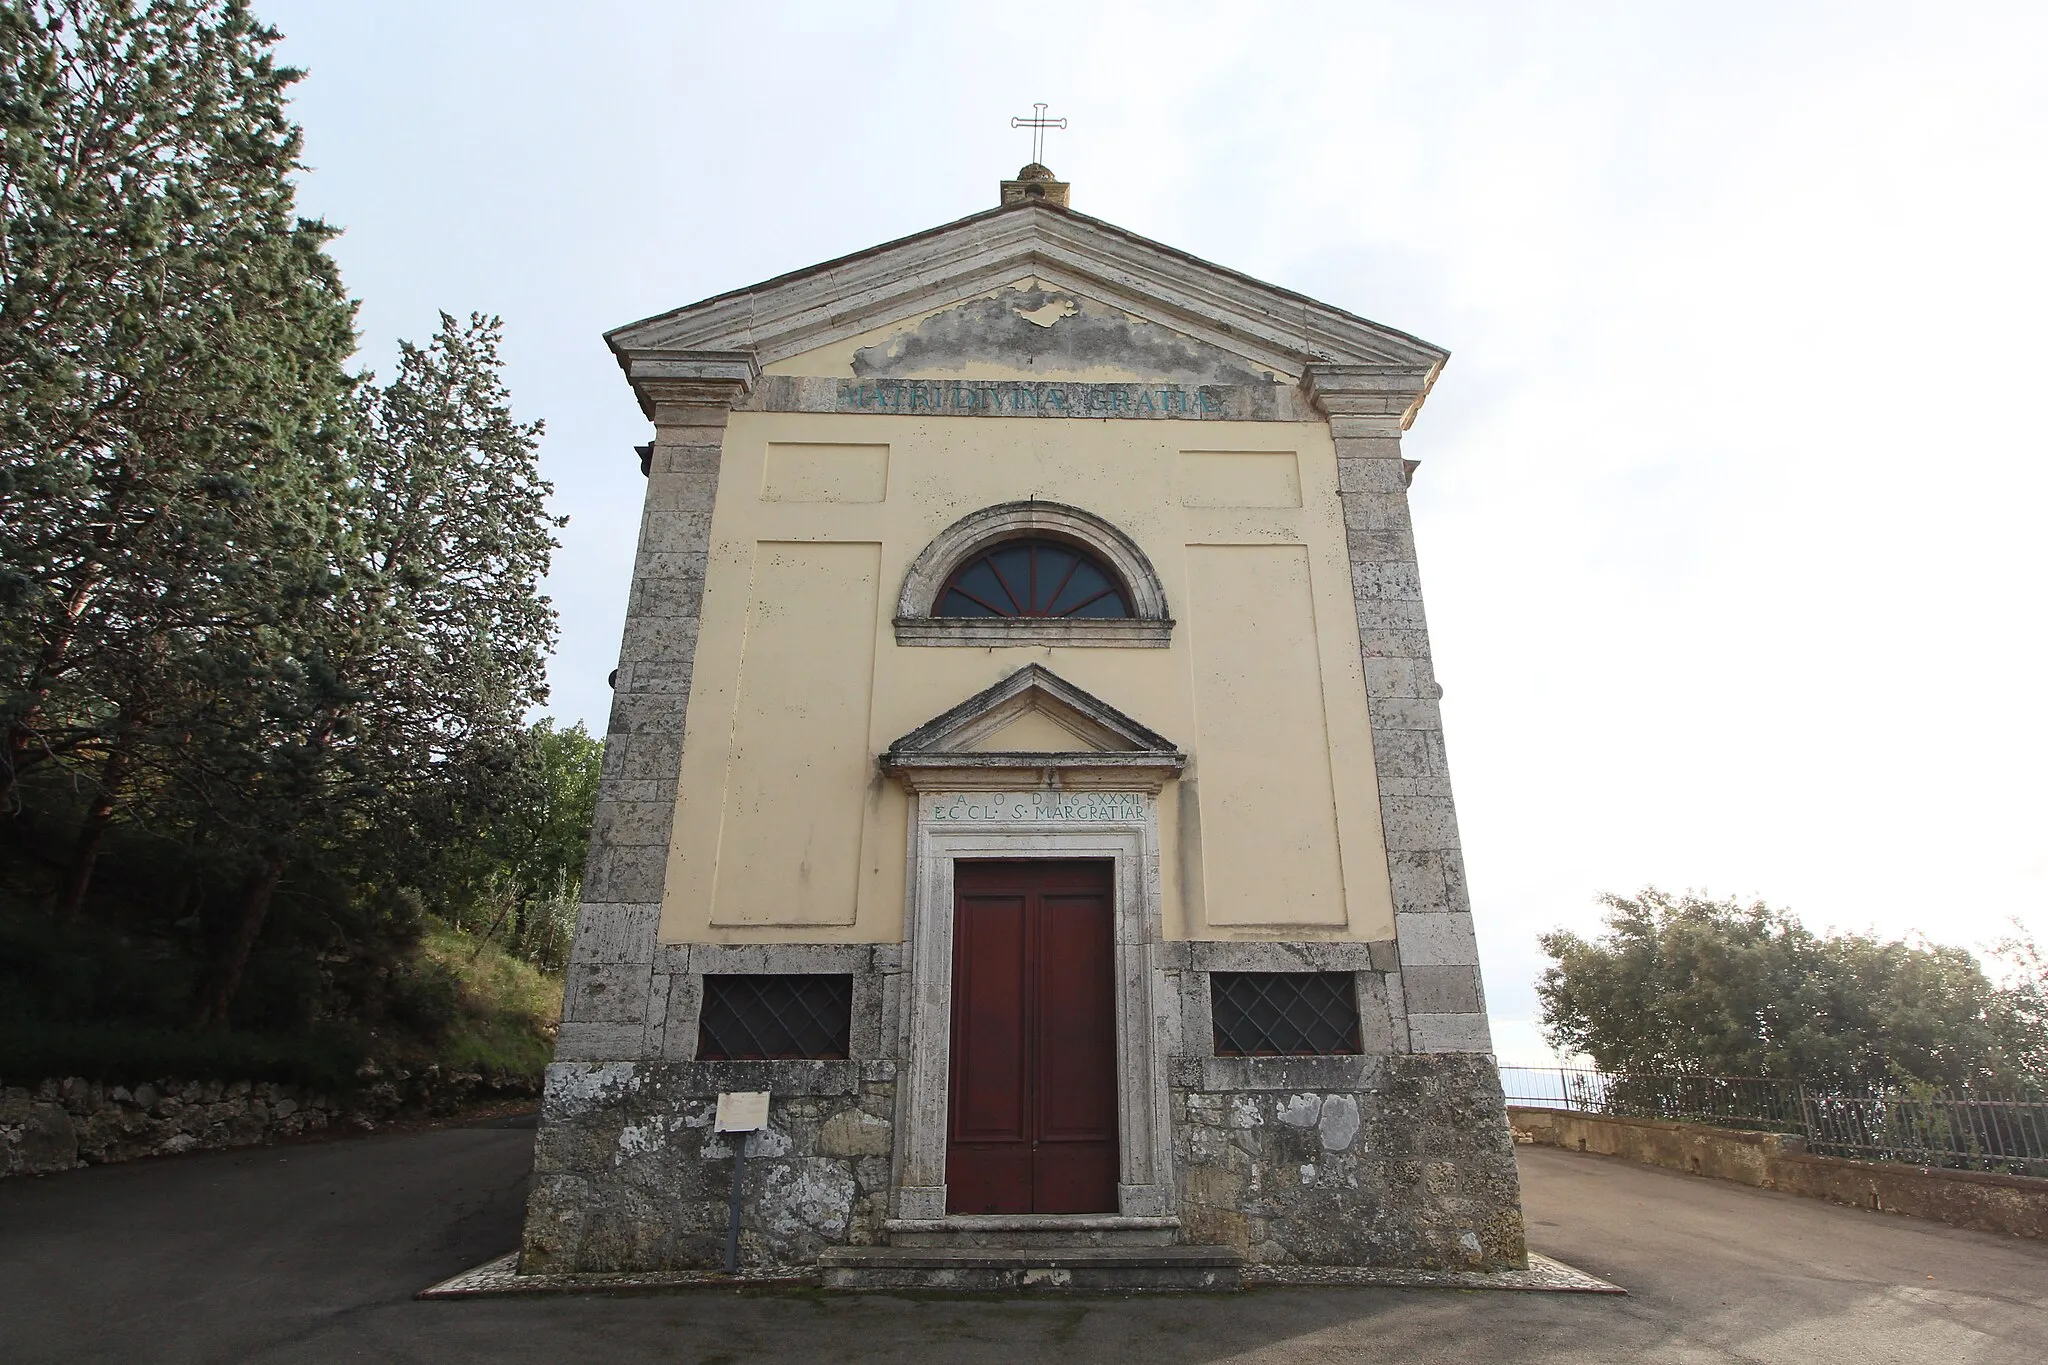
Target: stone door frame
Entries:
(1144, 1171)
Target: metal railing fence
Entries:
(1922, 1127)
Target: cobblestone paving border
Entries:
(1544, 1276)
(501, 1277)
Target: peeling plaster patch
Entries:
(1244, 1111)
(1469, 1241)
(1050, 313)
(1339, 1123)
(1052, 332)
(1301, 1111)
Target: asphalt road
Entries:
(312, 1253)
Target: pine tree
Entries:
(172, 386)
(382, 723)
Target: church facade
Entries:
(1025, 765)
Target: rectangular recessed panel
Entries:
(797, 780)
(1239, 478)
(1284, 1014)
(1076, 986)
(1262, 744)
(766, 1018)
(802, 472)
(989, 1042)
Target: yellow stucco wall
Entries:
(786, 830)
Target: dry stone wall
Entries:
(61, 1124)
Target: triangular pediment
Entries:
(1030, 328)
(1035, 729)
(1006, 284)
(1033, 718)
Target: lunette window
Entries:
(1034, 578)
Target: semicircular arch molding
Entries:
(1148, 626)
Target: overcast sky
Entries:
(1730, 496)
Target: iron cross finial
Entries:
(1038, 123)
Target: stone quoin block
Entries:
(606, 993)
(1437, 940)
(1450, 1033)
(615, 933)
(1441, 990)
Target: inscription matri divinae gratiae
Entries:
(1275, 402)
(1038, 808)
(1019, 399)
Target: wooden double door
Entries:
(1031, 1126)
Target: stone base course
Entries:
(59, 1125)
(629, 1176)
(501, 1277)
(1394, 1160)
(1408, 1165)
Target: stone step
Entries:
(988, 1269)
(1032, 1230)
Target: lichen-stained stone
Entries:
(854, 1133)
(1305, 1111)
(1338, 1125)
(1414, 1168)
(628, 1174)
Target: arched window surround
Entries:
(1147, 627)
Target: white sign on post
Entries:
(742, 1111)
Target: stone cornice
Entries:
(1080, 771)
(807, 309)
(664, 377)
(1393, 391)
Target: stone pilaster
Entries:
(1368, 407)
(609, 1011)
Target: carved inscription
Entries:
(1053, 399)
(1028, 808)
(1015, 399)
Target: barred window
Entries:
(1284, 1014)
(775, 1018)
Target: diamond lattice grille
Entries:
(774, 1018)
(1284, 1014)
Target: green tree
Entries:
(379, 721)
(1692, 985)
(172, 385)
(524, 872)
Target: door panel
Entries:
(991, 1055)
(1032, 1125)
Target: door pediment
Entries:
(1027, 726)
